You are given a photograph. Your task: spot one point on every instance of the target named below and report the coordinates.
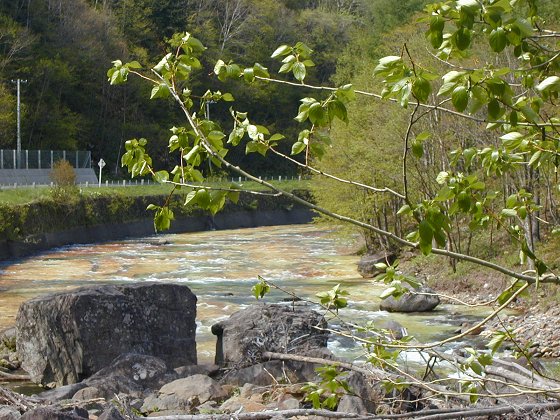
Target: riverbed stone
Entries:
(412, 301)
(184, 394)
(9, 413)
(246, 334)
(366, 265)
(66, 337)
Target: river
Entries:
(220, 267)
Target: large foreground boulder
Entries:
(421, 299)
(244, 336)
(66, 337)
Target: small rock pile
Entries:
(535, 329)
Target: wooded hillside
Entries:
(63, 48)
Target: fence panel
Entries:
(42, 159)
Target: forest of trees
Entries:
(62, 48)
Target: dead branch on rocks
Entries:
(10, 377)
(494, 411)
(519, 376)
(264, 415)
(18, 401)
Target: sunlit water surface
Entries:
(220, 267)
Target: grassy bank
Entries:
(28, 212)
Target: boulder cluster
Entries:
(109, 350)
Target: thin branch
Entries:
(428, 106)
(207, 187)
(335, 178)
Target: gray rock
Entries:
(276, 371)
(366, 265)
(44, 413)
(288, 404)
(87, 393)
(202, 387)
(277, 328)
(411, 301)
(112, 413)
(134, 374)
(351, 404)
(9, 413)
(61, 393)
(202, 369)
(209, 407)
(184, 394)
(66, 337)
(396, 330)
(363, 390)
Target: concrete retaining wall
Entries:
(109, 232)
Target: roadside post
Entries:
(101, 164)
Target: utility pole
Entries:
(18, 82)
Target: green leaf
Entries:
(299, 71)
(462, 38)
(460, 98)
(276, 137)
(160, 91)
(494, 109)
(421, 89)
(509, 212)
(260, 289)
(405, 209)
(249, 74)
(548, 84)
(203, 198)
(498, 337)
(298, 147)
(281, 50)
(426, 235)
(417, 149)
(387, 292)
(163, 218)
(161, 177)
(498, 40)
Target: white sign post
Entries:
(101, 164)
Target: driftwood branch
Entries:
(494, 411)
(10, 377)
(522, 377)
(369, 372)
(21, 402)
(418, 415)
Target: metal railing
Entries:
(42, 159)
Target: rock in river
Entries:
(421, 299)
(66, 337)
(275, 328)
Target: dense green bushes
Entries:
(48, 214)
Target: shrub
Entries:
(63, 174)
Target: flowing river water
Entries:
(220, 267)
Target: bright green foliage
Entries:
(260, 289)
(334, 298)
(331, 388)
